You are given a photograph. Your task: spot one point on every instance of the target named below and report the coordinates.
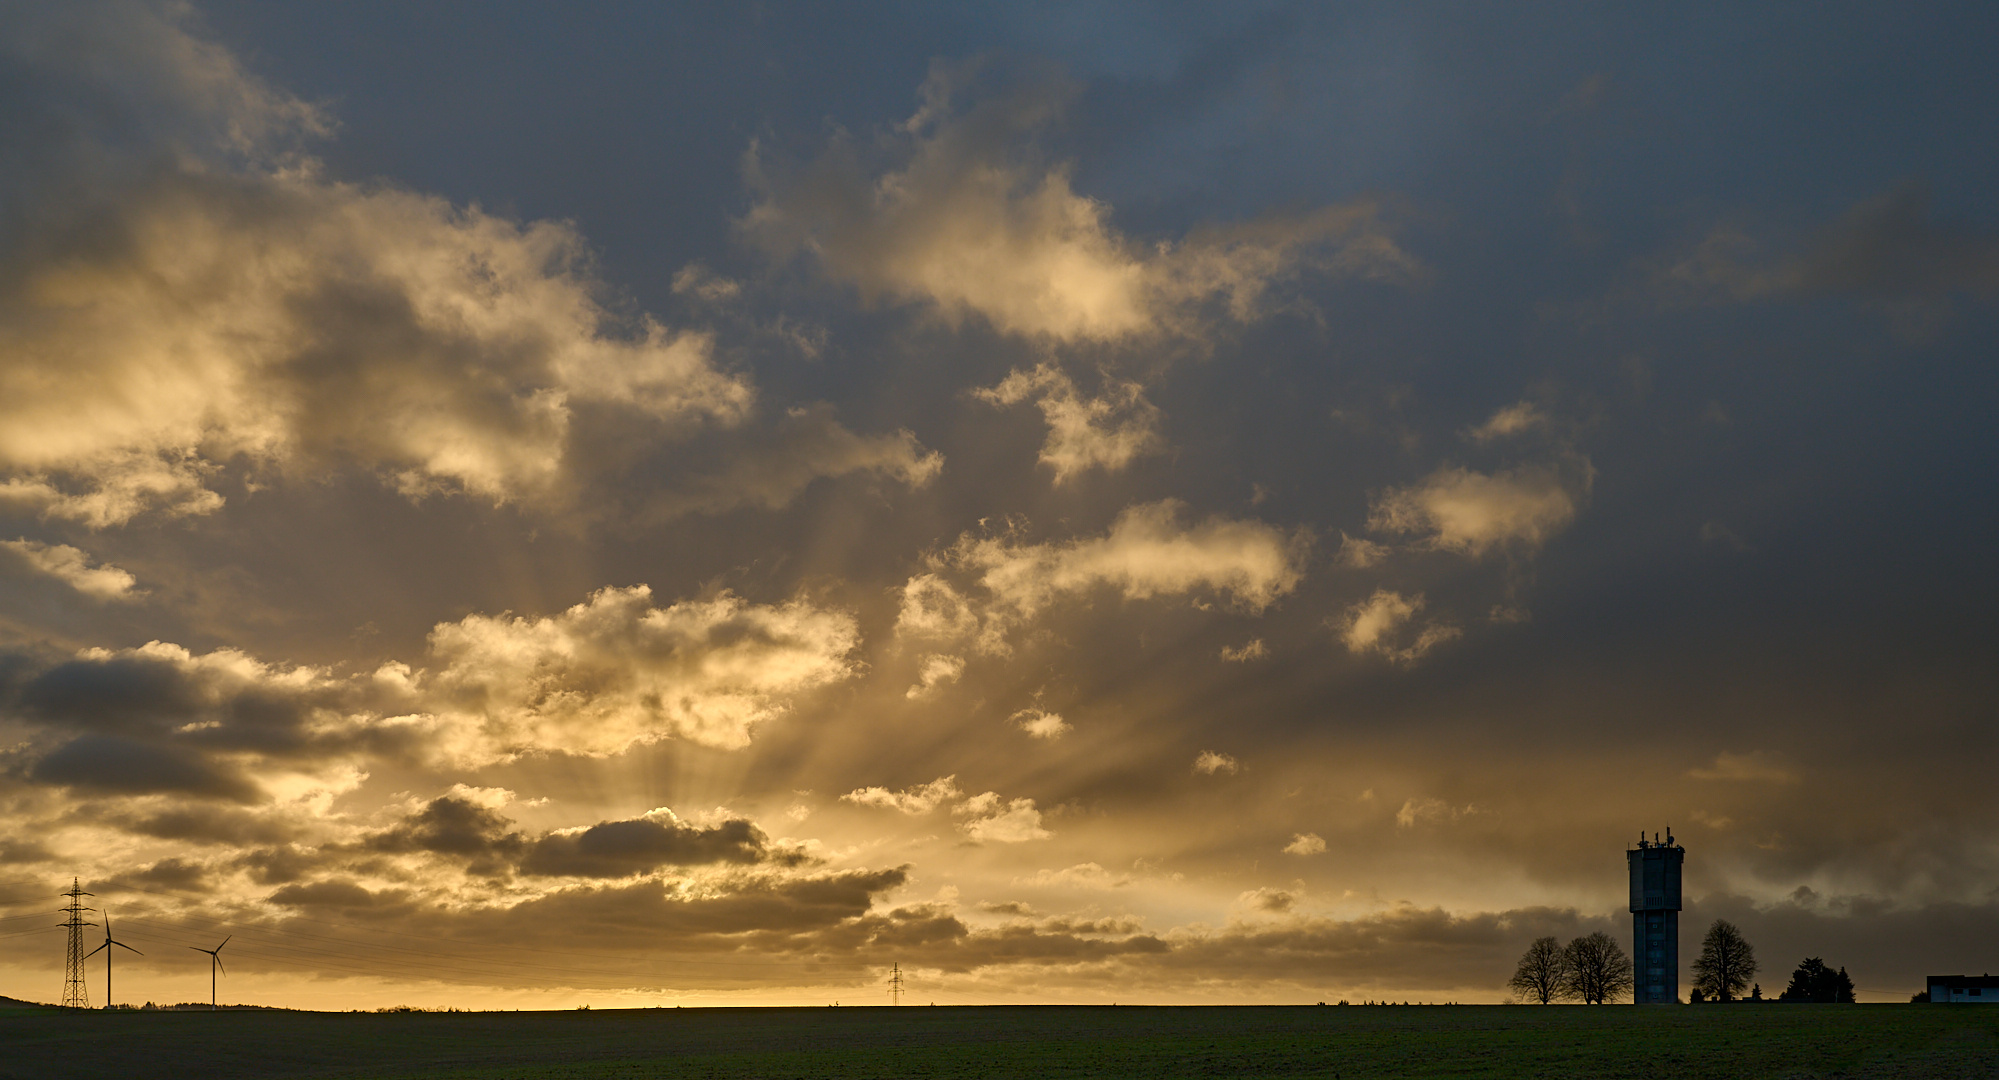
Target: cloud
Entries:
(1147, 552)
(1305, 844)
(182, 289)
(1380, 623)
(177, 874)
(1105, 432)
(1515, 419)
(72, 567)
(961, 220)
(451, 825)
(992, 819)
(220, 725)
(616, 670)
(1469, 512)
(1087, 875)
(1889, 246)
(932, 608)
(612, 849)
(113, 765)
(1267, 900)
(704, 284)
(917, 800)
(1041, 723)
(1359, 554)
(1208, 763)
(595, 679)
(770, 468)
(1760, 766)
(1423, 809)
(1253, 649)
(935, 671)
(336, 893)
(1884, 248)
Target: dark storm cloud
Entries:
(177, 874)
(946, 943)
(621, 848)
(450, 826)
(209, 823)
(281, 865)
(160, 719)
(220, 702)
(25, 852)
(107, 764)
(120, 695)
(1890, 247)
(790, 909)
(337, 893)
(1893, 246)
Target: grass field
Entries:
(919, 1041)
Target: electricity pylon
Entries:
(895, 984)
(74, 994)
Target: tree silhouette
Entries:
(1598, 970)
(1727, 962)
(1815, 982)
(1542, 972)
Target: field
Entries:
(1774, 1041)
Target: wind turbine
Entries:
(106, 950)
(215, 962)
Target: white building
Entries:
(1965, 989)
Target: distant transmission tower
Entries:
(895, 984)
(74, 994)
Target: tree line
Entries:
(1593, 970)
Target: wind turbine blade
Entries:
(225, 941)
(125, 947)
(99, 949)
(218, 963)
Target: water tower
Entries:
(1655, 919)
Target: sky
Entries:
(525, 506)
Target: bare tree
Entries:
(1598, 970)
(1727, 962)
(1542, 971)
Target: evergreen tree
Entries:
(1815, 982)
(1726, 964)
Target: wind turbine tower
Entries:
(75, 995)
(106, 950)
(214, 963)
